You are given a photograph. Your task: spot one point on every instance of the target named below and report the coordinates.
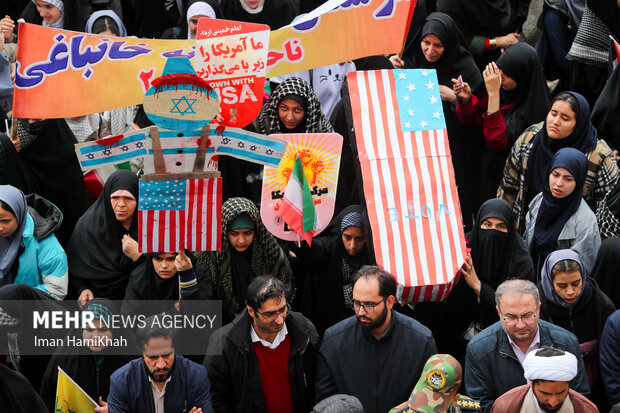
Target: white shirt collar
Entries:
(533, 346)
(276, 341)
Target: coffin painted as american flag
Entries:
(409, 182)
(180, 214)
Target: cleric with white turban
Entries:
(553, 368)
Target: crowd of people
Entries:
(530, 326)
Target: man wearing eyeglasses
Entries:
(264, 360)
(493, 364)
(378, 355)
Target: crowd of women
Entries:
(536, 170)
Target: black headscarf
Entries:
(95, 250)
(554, 212)
(48, 166)
(456, 59)
(16, 393)
(531, 96)
(314, 121)
(496, 255)
(605, 271)
(275, 13)
(583, 138)
(90, 370)
(485, 17)
(606, 111)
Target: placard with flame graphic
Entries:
(320, 157)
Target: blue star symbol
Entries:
(90, 156)
(107, 152)
(139, 144)
(240, 144)
(253, 148)
(188, 109)
(124, 148)
(269, 152)
(225, 141)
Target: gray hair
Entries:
(517, 287)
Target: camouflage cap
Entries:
(437, 387)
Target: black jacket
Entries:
(381, 373)
(233, 367)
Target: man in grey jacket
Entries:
(493, 364)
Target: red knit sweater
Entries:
(274, 376)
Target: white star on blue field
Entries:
(162, 195)
(419, 101)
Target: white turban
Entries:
(555, 368)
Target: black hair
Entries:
(263, 288)
(565, 266)
(105, 23)
(547, 351)
(572, 101)
(150, 331)
(387, 282)
(6, 207)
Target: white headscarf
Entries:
(200, 8)
(58, 24)
(554, 368)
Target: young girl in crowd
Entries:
(441, 47)
(103, 251)
(58, 14)
(30, 253)
(567, 125)
(329, 265)
(248, 250)
(516, 96)
(198, 9)
(558, 217)
(573, 301)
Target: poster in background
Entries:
(320, 158)
(408, 178)
(232, 57)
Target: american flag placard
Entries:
(180, 214)
(409, 182)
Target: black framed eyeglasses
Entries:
(369, 308)
(270, 315)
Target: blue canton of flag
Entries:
(419, 101)
(162, 195)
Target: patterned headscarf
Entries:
(265, 251)
(316, 122)
(58, 24)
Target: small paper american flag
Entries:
(180, 214)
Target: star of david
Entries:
(90, 156)
(188, 109)
(139, 144)
(124, 148)
(241, 144)
(253, 148)
(225, 141)
(269, 152)
(107, 152)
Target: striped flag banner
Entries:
(409, 182)
(297, 208)
(180, 147)
(180, 214)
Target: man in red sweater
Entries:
(264, 360)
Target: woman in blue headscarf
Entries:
(572, 300)
(558, 217)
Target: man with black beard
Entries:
(379, 354)
(549, 372)
(159, 382)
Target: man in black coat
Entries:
(379, 354)
(264, 360)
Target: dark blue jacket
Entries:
(492, 368)
(380, 373)
(130, 389)
(609, 348)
